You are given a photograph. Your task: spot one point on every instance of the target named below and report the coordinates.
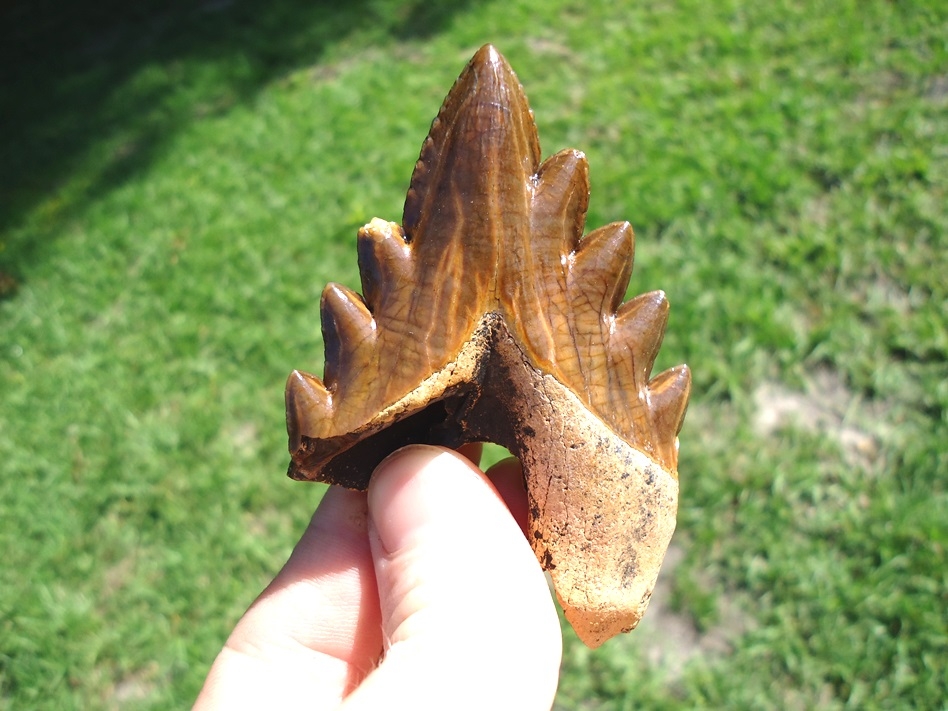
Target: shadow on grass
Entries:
(95, 89)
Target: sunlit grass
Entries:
(174, 202)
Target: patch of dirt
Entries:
(117, 575)
(938, 87)
(137, 686)
(670, 639)
(551, 47)
(825, 405)
(244, 438)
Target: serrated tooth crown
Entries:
(488, 229)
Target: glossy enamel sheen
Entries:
(485, 306)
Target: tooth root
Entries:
(640, 326)
(603, 264)
(307, 403)
(384, 260)
(348, 330)
(668, 399)
(561, 199)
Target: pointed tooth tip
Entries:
(607, 249)
(292, 414)
(335, 290)
(301, 387)
(488, 55)
(669, 392)
(651, 307)
(491, 62)
(304, 394)
(487, 94)
(677, 378)
(625, 235)
(302, 379)
(568, 160)
(617, 234)
(346, 306)
(658, 301)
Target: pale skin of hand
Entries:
(421, 593)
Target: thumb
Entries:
(466, 611)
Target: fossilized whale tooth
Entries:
(488, 316)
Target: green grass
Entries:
(178, 182)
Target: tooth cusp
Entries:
(602, 265)
(307, 403)
(668, 399)
(348, 328)
(640, 326)
(384, 260)
(561, 197)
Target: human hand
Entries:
(421, 593)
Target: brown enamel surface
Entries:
(487, 315)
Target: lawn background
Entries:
(179, 180)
